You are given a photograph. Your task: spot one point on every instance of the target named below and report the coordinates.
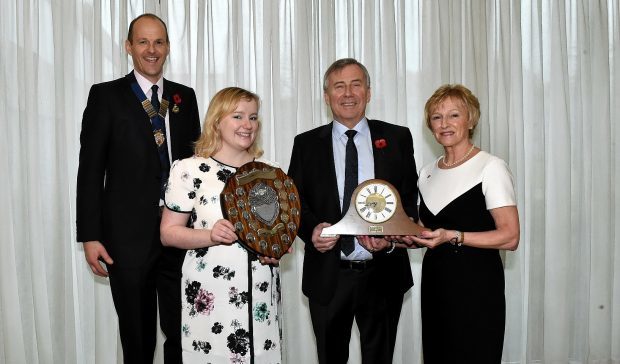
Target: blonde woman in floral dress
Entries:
(231, 299)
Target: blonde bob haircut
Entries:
(222, 104)
(457, 92)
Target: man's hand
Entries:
(373, 244)
(323, 244)
(94, 252)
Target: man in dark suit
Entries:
(341, 284)
(127, 144)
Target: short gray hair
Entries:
(342, 63)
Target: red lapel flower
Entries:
(176, 98)
(380, 143)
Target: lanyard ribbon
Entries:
(158, 124)
(147, 106)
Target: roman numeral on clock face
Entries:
(375, 202)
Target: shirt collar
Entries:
(338, 130)
(146, 85)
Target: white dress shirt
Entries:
(365, 168)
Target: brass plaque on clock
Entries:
(262, 202)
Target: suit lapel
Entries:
(136, 106)
(169, 91)
(325, 155)
(380, 159)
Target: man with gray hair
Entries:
(342, 279)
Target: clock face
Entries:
(375, 202)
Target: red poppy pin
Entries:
(380, 143)
(176, 98)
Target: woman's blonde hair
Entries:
(459, 93)
(222, 104)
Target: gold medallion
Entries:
(160, 138)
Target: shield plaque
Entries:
(262, 203)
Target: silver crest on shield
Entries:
(264, 203)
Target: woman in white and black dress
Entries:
(467, 199)
(231, 300)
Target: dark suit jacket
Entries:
(119, 173)
(312, 168)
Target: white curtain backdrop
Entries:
(547, 73)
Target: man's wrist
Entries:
(391, 248)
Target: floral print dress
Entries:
(231, 302)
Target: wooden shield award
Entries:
(375, 210)
(262, 203)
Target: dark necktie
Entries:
(158, 124)
(350, 182)
(155, 98)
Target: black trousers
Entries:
(360, 296)
(136, 291)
